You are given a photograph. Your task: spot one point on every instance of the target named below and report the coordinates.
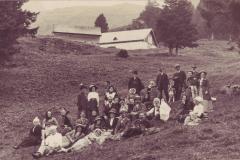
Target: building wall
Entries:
(130, 45)
(90, 39)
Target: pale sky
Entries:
(43, 5)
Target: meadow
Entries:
(46, 74)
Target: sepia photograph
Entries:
(120, 79)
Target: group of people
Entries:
(122, 117)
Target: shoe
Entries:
(36, 155)
(16, 147)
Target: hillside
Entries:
(45, 76)
(86, 16)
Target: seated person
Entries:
(77, 133)
(138, 108)
(123, 105)
(112, 121)
(52, 143)
(48, 121)
(111, 93)
(34, 137)
(131, 94)
(186, 105)
(198, 112)
(98, 123)
(123, 123)
(66, 121)
(161, 109)
(150, 93)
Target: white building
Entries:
(130, 39)
(90, 35)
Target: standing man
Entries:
(162, 84)
(196, 75)
(82, 100)
(179, 79)
(136, 83)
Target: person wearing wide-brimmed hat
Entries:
(123, 123)
(198, 112)
(204, 91)
(112, 121)
(34, 137)
(162, 82)
(136, 83)
(99, 122)
(179, 78)
(79, 131)
(82, 101)
(93, 102)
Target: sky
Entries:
(45, 5)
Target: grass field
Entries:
(45, 75)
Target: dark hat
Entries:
(91, 86)
(203, 72)
(177, 65)
(82, 86)
(81, 123)
(194, 66)
(137, 97)
(135, 72)
(113, 110)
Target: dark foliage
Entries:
(175, 26)
(101, 22)
(14, 23)
(123, 53)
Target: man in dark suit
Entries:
(82, 101)
(162, 84)
(136, 83)
(179, 79)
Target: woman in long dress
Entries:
(204, 92)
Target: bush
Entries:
(123, 53)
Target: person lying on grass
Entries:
(34, 137)
(98, 136)
(77, 133)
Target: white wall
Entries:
(130, 45)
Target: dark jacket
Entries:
(179, 79)
(67, 121)
(162, 81)
(113, 125)
(36, 132)
(82, 102)
(135, 83)
(34, 137)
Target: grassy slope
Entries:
(48, 79)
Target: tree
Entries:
(215, 14)
(151, 14)
(14, 23)
(101, 22)
(174, 25)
